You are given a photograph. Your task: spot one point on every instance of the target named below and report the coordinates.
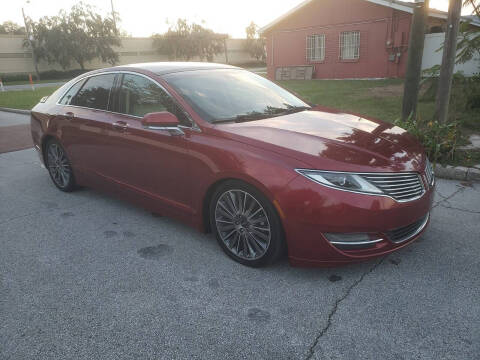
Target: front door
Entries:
(154, 163)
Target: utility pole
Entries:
(448, 61)
(114, 19)
(225, 47)
(30, 40)
(414, 60)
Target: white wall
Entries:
(16, 59)
(432, 57)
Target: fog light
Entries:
(353, 239)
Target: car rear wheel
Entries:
(59, 166)
(246, 224)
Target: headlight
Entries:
(341, 181)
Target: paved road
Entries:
(29, 87)
(85, 276)
(14, 132)
(10, 119)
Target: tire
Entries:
(59, 167)
(246, 224)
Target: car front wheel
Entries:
(246, 224)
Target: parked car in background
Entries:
(228, 151)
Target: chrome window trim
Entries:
(299, 171)
(194, 126)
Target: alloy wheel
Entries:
(242, 224)
(58, 165)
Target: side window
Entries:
(139, 96)
(71, 93)
(350, 45)
(95, 93)
(316, 47)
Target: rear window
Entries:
(71, 93)
(95, 93)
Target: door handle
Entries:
(121, 125)
(69, 115)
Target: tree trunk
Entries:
(414, 61)
(448, 61)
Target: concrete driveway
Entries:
(86, 276)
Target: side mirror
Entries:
(164, 120)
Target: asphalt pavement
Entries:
(86, 276)
(14, 131)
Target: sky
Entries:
(145, 17)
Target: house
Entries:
(341, 39)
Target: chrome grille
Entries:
(429, 173)
(400, 186)
(404, 233)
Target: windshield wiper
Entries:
(270, 112)
(244, 117)
(295, 109)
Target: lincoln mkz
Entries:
(228, 151)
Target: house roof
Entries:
(394, 4)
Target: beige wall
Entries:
(15, 59)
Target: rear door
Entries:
(89, 123)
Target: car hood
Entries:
(330, 140)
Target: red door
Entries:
(86, 123)
(154, 163)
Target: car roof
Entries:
(162, 68)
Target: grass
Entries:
(350, 96)
(380, 99)
(27, 82)
(24, 99)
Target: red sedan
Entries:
(228, 151)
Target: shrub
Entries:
(439, 140)
(465, 95)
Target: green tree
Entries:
(186, 41)
(469, 45)
(9, 27)
(80, 35)
(255, 45)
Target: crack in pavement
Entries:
(311, 350)
(446, 198)
(459, 209)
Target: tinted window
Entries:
(139, 96)
(226, 94)
(95, 93)
(70, 93)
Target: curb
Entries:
(17, 111)
(457, 172)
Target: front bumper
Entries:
(309, 210)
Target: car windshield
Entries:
(225, 95)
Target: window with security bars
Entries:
(315, 47)
(350, 45)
